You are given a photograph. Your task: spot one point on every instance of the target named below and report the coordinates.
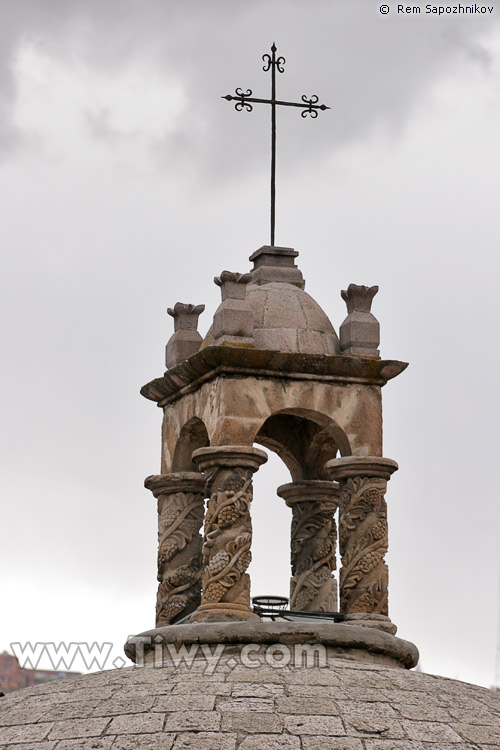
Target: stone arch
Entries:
(193, 435)
(305, 440)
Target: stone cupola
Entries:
(272, 374)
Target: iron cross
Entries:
(243, 101)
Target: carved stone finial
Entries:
(233, 285)
(185, 316)
(186, 340)
(233, 319)
(360, 331)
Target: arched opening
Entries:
(193, 435)
(305, 440)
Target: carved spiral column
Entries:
(313, 587)
(228, 531)
(364, 575)
(180, 517)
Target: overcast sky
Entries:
(127, 184)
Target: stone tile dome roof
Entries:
(347, 706)
(287, 319)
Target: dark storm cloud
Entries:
(371, 69)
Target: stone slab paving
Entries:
(345, 706)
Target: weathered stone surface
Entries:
(227, 531)
(205, 741)
(398, 745)
(360, 331)
(233, 319)
(155, 741)
(186, 340)
(78, 728)
(235, 408)
(250, 690)
(246, 705)
(250, 722)
(133, 723)
(194, 687)
(95, 743)
(284, 319)
(376, 719)
(202, 721)
(270, 742)
(468, 731)
(190, 702)
(363, 533)
(180, 517)
(427, 731)
(119, 705)
(25, 732)
(413, 712)
(299, 706)
(307, 643)
(324, 742)
(313, 545)
(315, 724)
(273, 264)
(212, 360)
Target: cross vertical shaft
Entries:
(273, 142)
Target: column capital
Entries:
(182, 481)
(309, 490)
(361, 466)
(229, 456)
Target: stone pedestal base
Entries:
(227, 645)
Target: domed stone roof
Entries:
(287, 319)
(349, 705)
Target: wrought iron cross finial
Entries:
(245, 99)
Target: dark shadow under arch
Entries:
(193, 435)
(305, 440)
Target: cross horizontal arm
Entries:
(254, 99)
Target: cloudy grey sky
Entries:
(127, 183)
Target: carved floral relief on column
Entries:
(364, 576)
(363, 533)
(313, 587)
(227, 539)
(180, 517)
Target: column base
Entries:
(368, 620)
(222, 612)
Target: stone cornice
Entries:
(215, 361)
